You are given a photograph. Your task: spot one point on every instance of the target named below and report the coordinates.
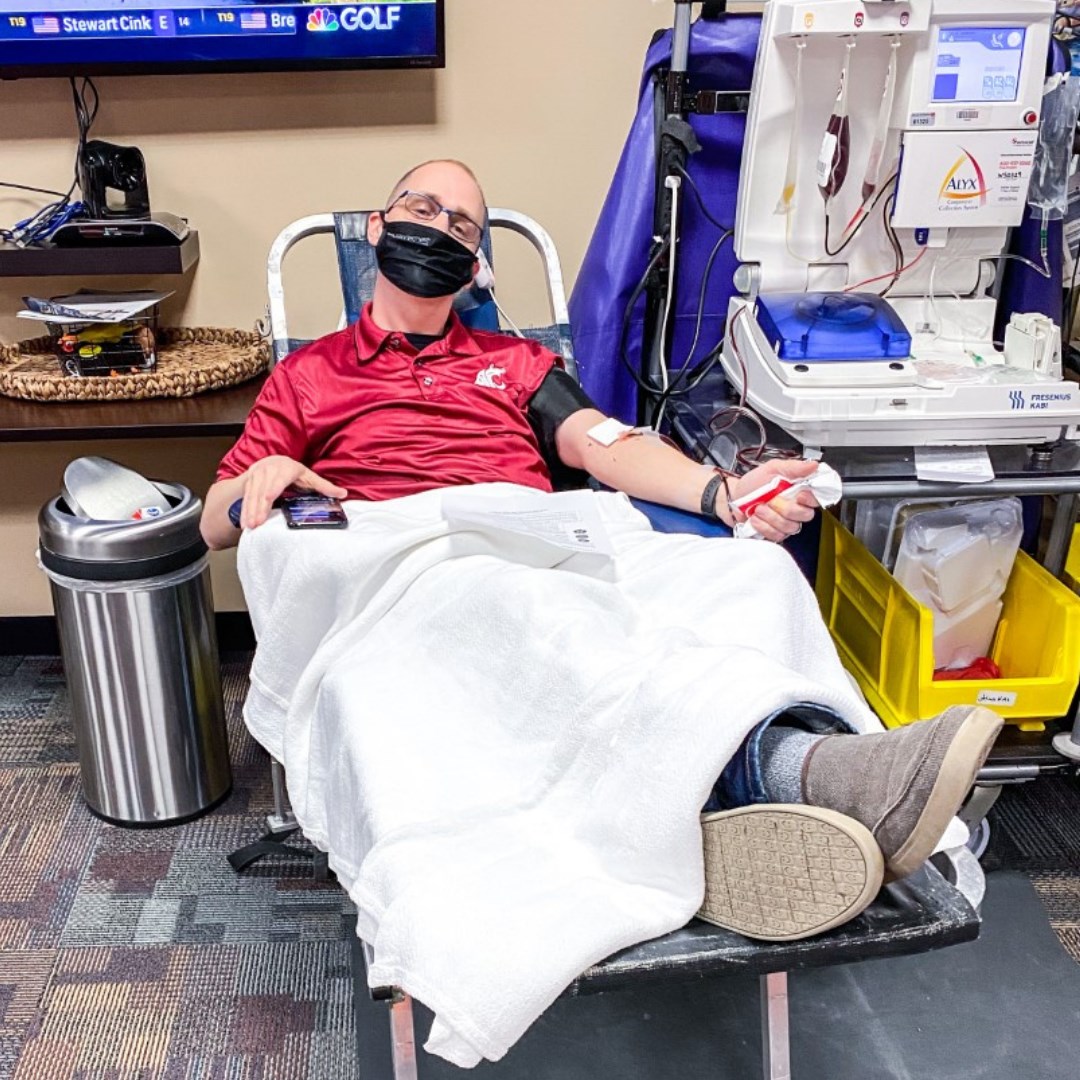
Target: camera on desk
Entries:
(113, 181)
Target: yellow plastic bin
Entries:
(885, 639)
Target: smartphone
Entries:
(313, 512)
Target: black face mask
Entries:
(423, 261)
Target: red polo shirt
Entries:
(366, 410)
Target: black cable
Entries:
(699, 373)
(676, 377)
(628, 314)
(86, 101)
(726, 233)
(659, 397)
(28, 187)
(701, 299)
(700, 201)
(894, 240)
(710, 360)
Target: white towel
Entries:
(504, 756)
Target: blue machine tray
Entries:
(816, 327)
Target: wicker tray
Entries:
(190, 360)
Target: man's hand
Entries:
(268, 478)
(786, 514)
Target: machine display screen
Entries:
(978, 63)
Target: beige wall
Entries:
(536, 96)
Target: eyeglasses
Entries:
(425, 208)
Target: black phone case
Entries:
(331, 504)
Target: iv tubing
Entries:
(791, 176)
(876, 162)
(891, 274)
(872, 179)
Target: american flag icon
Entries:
(252, 20)
(45, 24)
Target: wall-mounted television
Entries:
(136, 37)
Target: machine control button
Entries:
(1031, 118)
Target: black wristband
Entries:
(708, 496)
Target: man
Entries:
(408, 400)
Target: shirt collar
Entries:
(370, 339)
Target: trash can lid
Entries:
(172, 534)
(98, 488)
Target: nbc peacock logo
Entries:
(964, 183)
(322, 20)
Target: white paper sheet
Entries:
(954, 464)
(568, 520)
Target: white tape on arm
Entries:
(608, 432)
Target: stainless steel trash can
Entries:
(135, 618)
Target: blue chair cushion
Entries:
(666, 519)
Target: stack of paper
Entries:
(90, 307)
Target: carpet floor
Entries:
(131, 954)
(140, 955)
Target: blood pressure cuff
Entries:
(557, 398)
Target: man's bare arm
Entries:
(649, 469)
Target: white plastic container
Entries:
(962, 637)
(879, 523)
(957, 562)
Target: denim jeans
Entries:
(741, 783)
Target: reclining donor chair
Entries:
(925, 911)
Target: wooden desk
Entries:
(219, 412)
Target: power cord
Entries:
(37, 228)
(28, 187)
(673, 388)
(645, 387)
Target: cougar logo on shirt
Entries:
(491, 377)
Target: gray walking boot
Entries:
(904, 785)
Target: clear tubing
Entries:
(875, 165)
(791, 176)
(1045, 270)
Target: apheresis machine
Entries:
(891, 146)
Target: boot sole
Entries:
(967, 751)
(782, 872)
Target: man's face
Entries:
(451, 188)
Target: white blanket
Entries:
(505, 758)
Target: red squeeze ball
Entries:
(983, 668)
